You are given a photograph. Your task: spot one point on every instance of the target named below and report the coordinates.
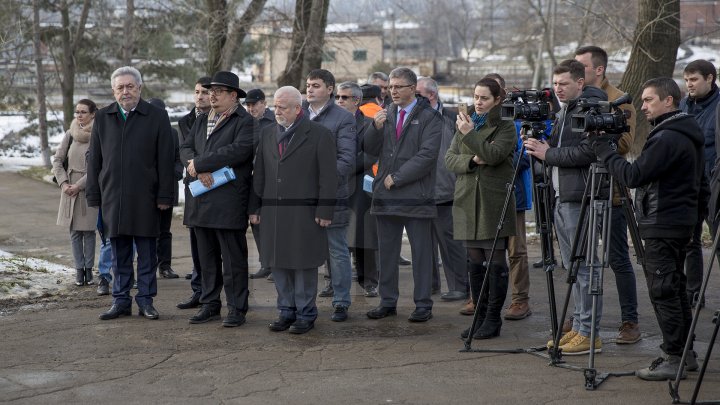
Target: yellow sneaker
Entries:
(564, 339)
(580, 345)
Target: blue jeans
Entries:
(339, 263)
(622, 267)
(105, 260)
(567, 218)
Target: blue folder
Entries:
(220, 177)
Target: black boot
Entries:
(89, 276)
(79, 277)
(498, 279)
(477, 274)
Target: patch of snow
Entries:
(27, 277)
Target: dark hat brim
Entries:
(241, 92)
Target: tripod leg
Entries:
(701, 375)
(693, 325)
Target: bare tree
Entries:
(308, 38)
(222, 42)
(128, 33)
(42, 107)
(71, 42)
(654, 52)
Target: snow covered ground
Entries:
(27, 277)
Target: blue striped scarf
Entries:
(478, 120)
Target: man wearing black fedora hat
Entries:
(223, 138)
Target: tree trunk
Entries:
(315, 38)
(70, 45)
(240, 31)
(654, 52)
(292, 74)
(40, 88)
(217, 33)
(127, 47)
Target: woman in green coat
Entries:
(481, 155)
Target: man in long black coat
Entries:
(130, 175)
(223, 138)
(296, 179)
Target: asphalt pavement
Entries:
(56, 350)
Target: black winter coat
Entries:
(444, 178)
(671, 193)
(294, 190)
(575, 154)
(130, 169)
(411, 160)
(230, 144)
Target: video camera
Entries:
(527, 105)
(596, 116)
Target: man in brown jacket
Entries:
(595, 60)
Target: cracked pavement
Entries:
(56, 350)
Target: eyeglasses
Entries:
(399, 87)
(338, 97)
(218, 90)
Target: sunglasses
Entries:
(338, 97)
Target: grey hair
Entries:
(377, 75)
(404, 73)
(290, 92)
(126, 70)
(354, 88)
(430, 84)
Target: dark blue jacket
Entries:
(342, 125)
(704, 112)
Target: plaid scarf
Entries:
(478, 120)
(214, 119)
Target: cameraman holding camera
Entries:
(595, 60)
(570, 155)
(671, 197)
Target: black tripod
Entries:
(543, 218)
(595, 226)
(675, 385)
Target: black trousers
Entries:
(224, 262)
(664, 263)
(164, 241)
(196, 279)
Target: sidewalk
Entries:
(55, 350)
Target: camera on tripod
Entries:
(527, 105)
(601, 116)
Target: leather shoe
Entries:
(371, 292)
(420, 315)
(403, 261)
(327, 291)
(453, 296)
(280, 324)
(540, 264)
(468, 308)
(381, 312)
(149, 312)
(188, 276)
(301, 326)
(233, 319)
(192, 302)
(340, 314)
(270, 278)
(205, 314)
(167, 272)
(262, 273)
(116, 311)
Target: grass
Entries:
(36, 172)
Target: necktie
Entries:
(398, 129)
